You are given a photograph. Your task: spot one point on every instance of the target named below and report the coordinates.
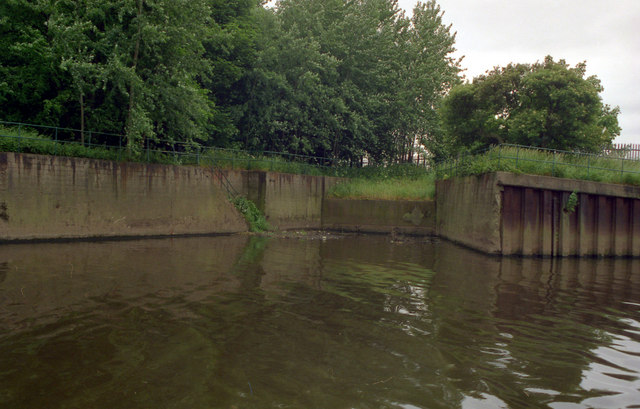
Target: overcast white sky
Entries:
(605, 34)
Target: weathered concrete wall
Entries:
(511, 214)
(43, 197)
(288, 201)
(379, 216)
(468, 212)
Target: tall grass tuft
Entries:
(397, 182)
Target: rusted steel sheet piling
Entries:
(539, 215)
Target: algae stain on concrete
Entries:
(4, 216)
(414, 217)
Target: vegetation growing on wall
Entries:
(253, 215)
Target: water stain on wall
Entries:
(4, 216)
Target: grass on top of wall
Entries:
(399, 182)
(597, 168)
(29, 140)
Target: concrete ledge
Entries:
(379, 216)
(567, 185)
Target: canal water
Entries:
(313, 322)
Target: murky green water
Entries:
(352, 322)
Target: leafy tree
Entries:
(347, 79)
(548, 104)
(29, 74)
(152, 57)
(133, 66)
(231, 52)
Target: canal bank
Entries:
(52, 198)
(48, 198)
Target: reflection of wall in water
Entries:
(547, 306)
(54, 279)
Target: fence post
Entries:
(553, 167)
(588, 164)
(19, 137)
(517, 155)
(55, 149)
(621, 169)
(147, 149)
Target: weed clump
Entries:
(253, 215)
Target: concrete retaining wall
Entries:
(288, 201)
(379, 216)
(45, 197)
(468, 212)
(509, 214)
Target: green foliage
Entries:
(396, 182)
(29, 140)
(597, 168)
(346, 79)
(572, 202)
(546, 104)
(32, 85)
(138, 67)
(398, 188)
(253, 215)
(235, 159)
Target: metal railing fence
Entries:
(22, 137)
(612, 165)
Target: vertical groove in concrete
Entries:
(587, 230)
(531, 222)
(511, 220)
(604, 225)
(548, 227)
(621, 243)
(565, 228)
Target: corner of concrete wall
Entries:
(288, 201)
(468, 212)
